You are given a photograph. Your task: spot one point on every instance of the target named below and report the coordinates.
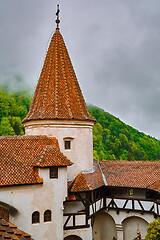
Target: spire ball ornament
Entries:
(57, 14)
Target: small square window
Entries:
(54, 172)
(67, 144)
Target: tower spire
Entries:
(57, 14)
(58, 95)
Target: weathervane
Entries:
(57, 14)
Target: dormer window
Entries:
(54, 172)
(68, 143)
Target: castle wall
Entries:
(84, 233)
(127, 223)
(78, 132)
(131, 225)
(41, 197)
(104, 227)
(107, 224)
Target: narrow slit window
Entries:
(54, 172)
(67, 144)
(47, 216)
(35, 217)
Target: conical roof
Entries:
(58, 94)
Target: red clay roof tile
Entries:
(7, 231)
(136, 174)
(87, 181)
(58, 94)
(80, 184)
(18, 158)
(132, 174)
(51, 156)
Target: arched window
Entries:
(47, 216)
(35, 217)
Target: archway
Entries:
(72, 237)
(131, 225)
(104, 227)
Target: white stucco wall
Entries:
(41, 197)
(122, 223)
(118, 223)
(104, 227)
(84, 233)
(72, 207)
(80, 132)
(131, 225)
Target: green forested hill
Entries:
(112, 138)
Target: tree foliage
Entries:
(153, 230)
(114, 140)
(14, 107)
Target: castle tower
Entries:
(58, 108)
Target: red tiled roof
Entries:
(87, 181)
(18, 157)
(10, 231)
(58, 94)
(80, 184)
(136, 174)
(51, 156)
(132, 174)
(71, 197)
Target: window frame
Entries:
(48, 216)
(69, 141)
(67, 144)
(53, 172)
(34, 216)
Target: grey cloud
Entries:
(114, 46)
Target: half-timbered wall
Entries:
(106, 208)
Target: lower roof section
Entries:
(10, 231)
(131, 174)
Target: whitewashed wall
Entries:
(128, 220)
(27, 199)
(109, 224)
(81, 152)
(84, 233)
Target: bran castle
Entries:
(50, 186)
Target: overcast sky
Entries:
(114, 46)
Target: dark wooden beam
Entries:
(125, 203)
(140, 204)
(67, 221)
(76, 227)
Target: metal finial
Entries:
(57, 14)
